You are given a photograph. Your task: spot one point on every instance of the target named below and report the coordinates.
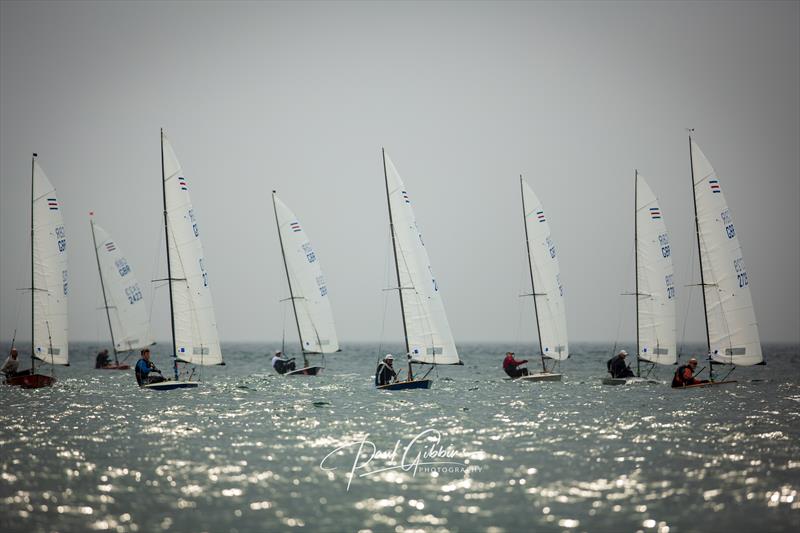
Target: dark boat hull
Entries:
(115, 366)
(171, 385)
(709, 384)
(407, 385)
(31, 381)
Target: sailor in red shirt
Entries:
(510, 365)
(685, 375)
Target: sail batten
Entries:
(655, 321)
(732, 328)
(196, 337)
(546, 279)
(428, 333)
(308, 285)
(50, 275)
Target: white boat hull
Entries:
(172, 385)
(541, 376)
(630, 381)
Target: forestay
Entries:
(126, 307)
(548, 291)
(309, 288)
(196, 338)
(428, 332)
(655, 280)
(50, 276)
(732, 329)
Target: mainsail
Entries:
(548, 291)
(732, 328)
(428, 335)
(196, 339)
(50, 276)
(309, 290)
(124, 302)
(655, 292)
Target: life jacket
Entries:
(378, 371)
(608, 366)
(139, 376)
(677, 379)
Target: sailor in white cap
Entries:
(385, 373)
(281, 364)
(617, 366)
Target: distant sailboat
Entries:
(49, 282)
(308, 289)
(194, 326)
(123, 301)
(428, 339)
(548, 304)
(731, 328)
(655, 286)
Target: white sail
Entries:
(548, 291)
(126, 306)
(196, 338)
(732, 327)
(429, 337)
(309, 288)
(655, 280)
(50, 276)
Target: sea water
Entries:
(251, 450)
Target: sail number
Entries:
(133, 293)
(670, 287)
(741, 273)
(663, 240)
(551, 247)
(194, 223)
(122, 267)
(726, 220)
(560, 287)
(323, 288)
(203, 271)
(309, 251)
(65, 280)
(61, 238)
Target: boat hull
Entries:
(541, 376)
(172, 385)
(31, 381)
(407, 385)
(307, 371)
(629, 381)
(709, 384)
(115, 366)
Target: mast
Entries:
(397, 265)
(289, 281)
(700, 257)
(169, 268)
(33, 288)
(103, 289)
(636, 263)
(530, 270)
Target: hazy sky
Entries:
(464, 96)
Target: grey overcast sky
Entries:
(300, 97)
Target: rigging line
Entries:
(520, 301)
(688, 274)
(155, 275)
(620, 301)
(385, 296)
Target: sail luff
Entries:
(103, 290)
(530, 271)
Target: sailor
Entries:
(102, 360)
(11, 367)
(511, 366)
(617, 367)
(385, 373)
(685, 375)
(281, 364)
(145, 367)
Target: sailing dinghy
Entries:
(308, 290)
(655, 287)
(194, 327)
(731, 328)
(548, 304)
(123, 302)
(49, 283)
(428, 339)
